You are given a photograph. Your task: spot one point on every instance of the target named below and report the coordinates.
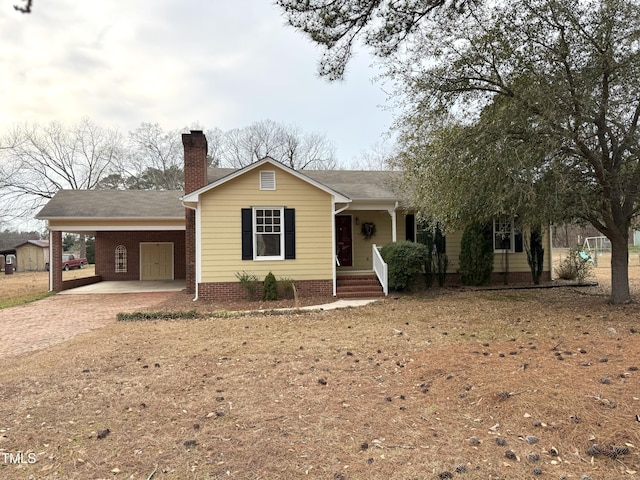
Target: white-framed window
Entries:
(267, 180)
(503, 234)
(268, 233)
(121, 259)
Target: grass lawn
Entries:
(25, 287)
(455, 383)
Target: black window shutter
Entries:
(518, 242)
(410, 227)
(440, 240)
(247, 234)
(289, 233)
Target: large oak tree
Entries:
(529, 106)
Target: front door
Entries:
(344, 240)
(156, 261)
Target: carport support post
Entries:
(55, 261)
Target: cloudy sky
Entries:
(220, 63)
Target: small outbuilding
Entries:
(32, 255)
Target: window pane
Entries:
(502, 234)
(268, 231)
(268, 245)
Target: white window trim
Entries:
(267, 176)
(121, 254)
(511, 248)
(256, 257)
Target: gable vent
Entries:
(267, 180)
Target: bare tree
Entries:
(378, 157)
(42, 159)
(154, 158)
(287, 144)
(215, 137)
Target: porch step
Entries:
(359, 286)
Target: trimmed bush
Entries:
(270, 287)
(286, 288)
(249, 282)
(405, 260)
(140, 316)
(476, 255)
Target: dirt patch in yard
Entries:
(513, 384)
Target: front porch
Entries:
(360, 230)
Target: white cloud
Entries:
(220, 63)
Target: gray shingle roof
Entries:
(114, 204)
(355, 184)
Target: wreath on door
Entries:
(368, 230)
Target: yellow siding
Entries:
(517, 262)
(221, 235)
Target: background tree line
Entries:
(37, 160)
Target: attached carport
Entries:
(139, 235)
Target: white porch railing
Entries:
(380, 267)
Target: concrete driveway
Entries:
(134, 286)
(56, 319)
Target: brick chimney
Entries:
(195, 177)
(195, 160)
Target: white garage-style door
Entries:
(156, 261)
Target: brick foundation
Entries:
(233, 291)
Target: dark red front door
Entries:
(344, 240)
